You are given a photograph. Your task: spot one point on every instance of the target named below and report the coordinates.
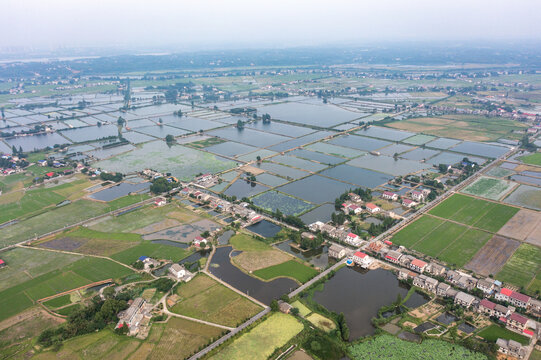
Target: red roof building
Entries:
(506, 291)
(2, 262)
(516, 317)
(487, 304)
(50, 174)
(360, 254)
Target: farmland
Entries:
(389, 347)
(532, 159)
(262, 340)
(255, 254)
(523, 226)
(292, 269)
(153, 250)
(273, 200)
(493, 332)
(206, 299)
(489, 188)
(492, 256)
(522, 267)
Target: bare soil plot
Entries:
(183, 233)
(255, 260)
(535, 236)
(493, 255)
(523, 224)
(159, 226)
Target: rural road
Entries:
(167, 312)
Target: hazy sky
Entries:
(235, 23)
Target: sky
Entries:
(216, 24)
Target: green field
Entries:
(439, 238)
(493, 332)
(292, 269)
(533, 159)
(321, 322)
(303, 310)
(32, 201)
(261, 341)
(522, 267)
(245, 242)
(385, 347)
(82, 272)
(464, 248)
(153, 250)
(467, 210)
(489, 188)
(417, 230)
(58, 301)
(206, 299)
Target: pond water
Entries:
(527, 179)
(230, 148)
(389, 165)
(242, 188)
(419, 154)
(265, 228)
(282, 170)
(249, 136)
(300, 141)
(357, 175)
(385, 133)
(325, 147)
(443, 143)
(265, 292)
(359, 294)
(281, 129)
(323, 115)
(136, 138)
(446, 318)
(316, 156)
(318, 257)
(36, 142)
(467, 328)
(322, 213)
(161, 131)
(485, 150)
(395, 149)
(119, 191)
(224, 238)
(316, 189)
(525, 195)
(449, 158)
(359, 142)
(271, 180)
(90, 133)
(192, 124)
(273, 200)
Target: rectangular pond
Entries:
(357, 176)
(316, 189)
(274, 200)
(316, 156)
(242, 188)
(37, 142)
(359, 142)
(385, 133)
(479, 149)
(249, 136)
(265, 228)
(389, 165)
(118, 191)
(322, 115)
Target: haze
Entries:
(225, 24)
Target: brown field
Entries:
(102, 247)
(436, 121)
(255, 260)
(252, 169)
(159, 226)
(493, 255)
(300, 355)
(523, 224)
(535, 236)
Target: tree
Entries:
(138, 265)
(121, 121)
(258, 158)
(160, 121)
(171, 95)
(109, 292)
(170, 138)
(240, 124)
(274, 305)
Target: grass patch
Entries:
(522, 267)
(321, 322)
(153, 250)
(532, 159)
(493, 332)
(292, 269)
(31, 202)
(206, 299)
(262, 340)
(245, 242)
(303, 310)
(58, 302)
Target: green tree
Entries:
(274, 305)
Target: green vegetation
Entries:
(390, 347)
(287, 205)
(245, 242)
(464, 248)
(522, 267)
(205, 143)
(58, 301)
(533, 159)
(292, 269)
(489, 188)
(493, 332)
(321, 322)
(417, 230)
(32, 201)
(153, 250)
(261, 341)
(467, 210)
(303, 310)
(206, 299)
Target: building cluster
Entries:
(149, 263)
(457, 285)
(207, 180)
(9, 165)
(136, 317)
(338, 233)
(511, 348)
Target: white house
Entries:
(352, 239)
(160, 201)
(362, 259)
(199, 241)
(387, 195)
(180, 272)
(417, 196)
(373, 208)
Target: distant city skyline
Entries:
(213, 24)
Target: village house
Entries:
(354, 197)
(452, 276)
(362, 259)
(316, 226)
(160, 201)
(486, 286)
(402, 274)
(133, 316)
(199, 241)
(417, 196)
(149, 263)
(486, 307)
(405, 260)
(418, 265)
(435, 269)
(408, 203)
(393, 256)
(451, 293)
(501, 311)
(534, 306)
(284, 307)
(427, 283)
(2, 263)
(519, 300)
(372, 208)
(516, 321)
(464, 299)
(511, 348)
(442, 288)
(204, 178)
(337, 251)
(466, 282)
(387, 195)
(179, 272)
(349, 208)
(352, 239)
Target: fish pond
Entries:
(265, 228)
(274, 200)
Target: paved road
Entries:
(229, 335)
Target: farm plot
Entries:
(262, 340)
(465, 247)
(493, 332)
(288, 205)
(523, 225)
(533, 159)
(292, 269)
(31, 202)
(522, 267)
(153, 250)
(492, 256)
(417, 230)
(475, 212)
(526, 196)
(184, 233)
(438, 239)
(206, 299)
(255, 254)
(489, 188)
